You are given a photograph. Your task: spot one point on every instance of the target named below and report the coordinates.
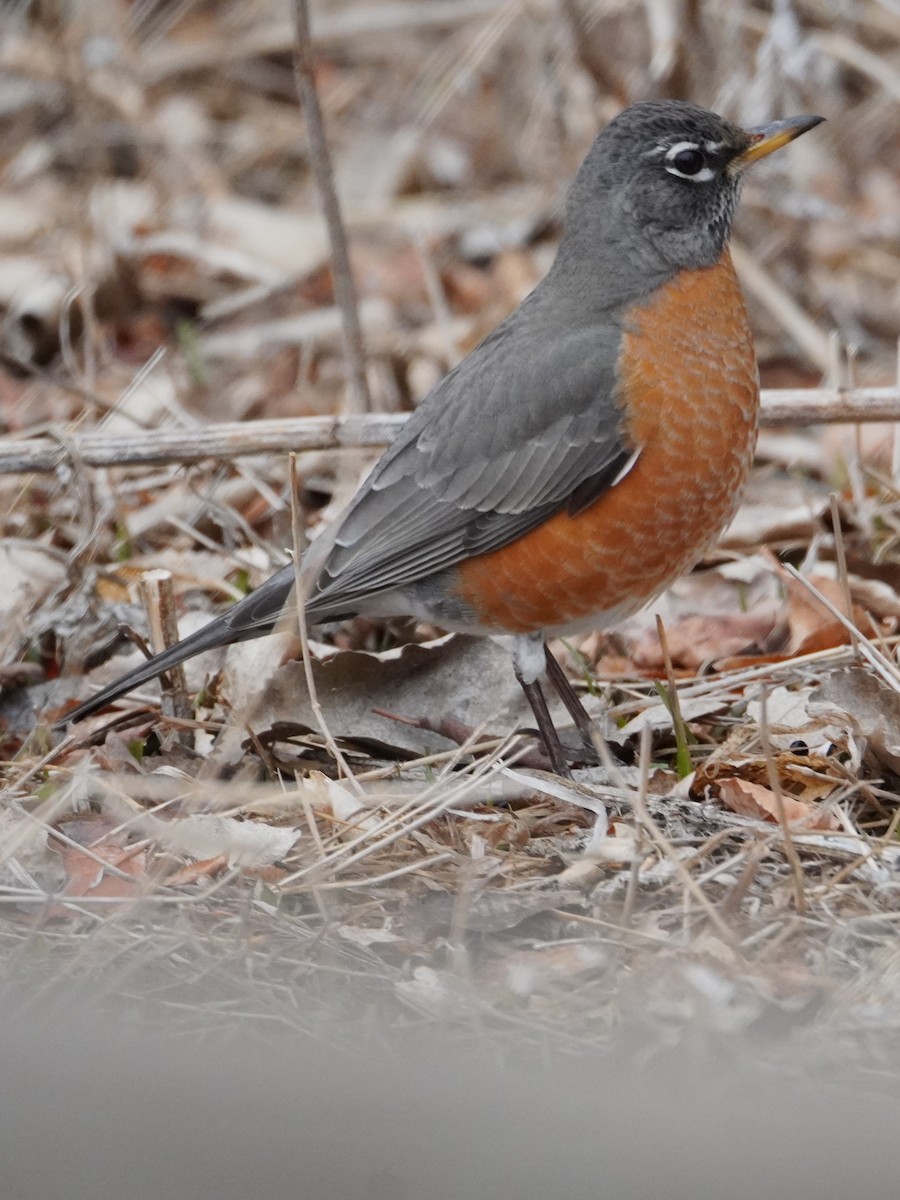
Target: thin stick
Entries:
(659, 839)
(786, 407)
(344, 287)
(636, 861)
(158, 596)
(881, 664)
(781, 409)
(300, 605)
(790, 849)
(683, 764)
(842, 566)
(224, 441)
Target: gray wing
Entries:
(511, 436)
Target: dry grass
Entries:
(163, 267)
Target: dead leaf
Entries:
(348, 809)
(804, 777)
(657, 716)
(812, 627)
(464, 675)
(789, 720)
(204, 836)
(708, 615)
(698, 639)
(754, 800)
(193, 872)
(86, 873)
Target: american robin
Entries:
(587, 451)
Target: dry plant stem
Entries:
(405, 820)
(225, 441)
(735, 897)
(599, 923)
(158, 597)
(309, 814)
(783, 932)
(781, 409)
(56, 379)
(881, 664)
(835, 374)
(842, 564)
(659, 839)
(374, 880)
(843, 873)
(344, 287)
(703, 852)
(58, 751)
(635, 870)
(790, 849)
(682, 752)
(317, 838)
(735, 681)
(297, 536)
(891, 831)
(43, 817)
(428, 760)
(107, 867)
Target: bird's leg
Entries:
(570, 699)
(528, 659)
(535, 696)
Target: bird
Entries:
(583, 455)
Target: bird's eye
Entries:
(688, 162)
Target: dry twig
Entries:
(781, 408)
(320, 157)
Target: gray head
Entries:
(658, 189)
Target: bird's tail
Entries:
(251, 617)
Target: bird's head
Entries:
(662, 180)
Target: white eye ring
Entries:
(702, 176)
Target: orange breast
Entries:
(689, 395)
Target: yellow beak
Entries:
(764, 139)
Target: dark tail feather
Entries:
(251, 617)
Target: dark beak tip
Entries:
(764, 139)
(794, 125)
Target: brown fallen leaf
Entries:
(826, 636)
(807, 777)
(86, 877)
(204, 868)
(700, 638)
(754, 800)
(811, 625)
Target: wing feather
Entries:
(506, 440)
